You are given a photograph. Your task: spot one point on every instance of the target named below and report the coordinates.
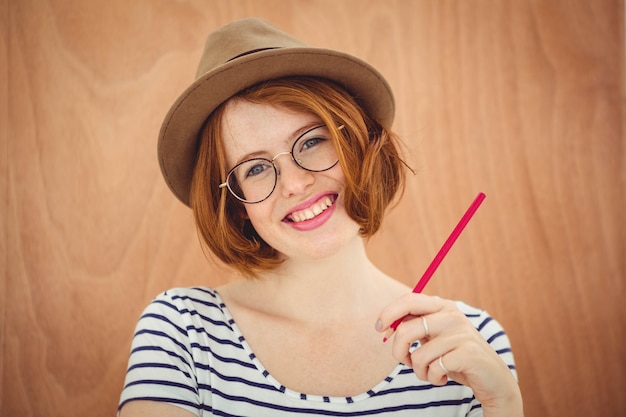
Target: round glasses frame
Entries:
(292, 152)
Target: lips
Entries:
(312, 211)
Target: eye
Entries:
(257, 169)
(252, 170)
(311, 142)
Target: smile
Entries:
(313, 211)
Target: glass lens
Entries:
(314, 150)
(252, 180)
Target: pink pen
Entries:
(443, 251)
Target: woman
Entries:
(285, 155)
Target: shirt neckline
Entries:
(291, 393)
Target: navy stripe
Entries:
(162, 383)
(475, 407)
(484, 323)
(159, 349)
(411, 388)
(163, 399)
(238, 379)
(200, 330)
(495, 336)
(194, 312)
(208, 291)
(298, 410)
(166, 320)
(197, 301)
(231, 361)
(152, 365)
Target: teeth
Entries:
(312, 211)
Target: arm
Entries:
(141, 408)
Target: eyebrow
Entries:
(290, 139)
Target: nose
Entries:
(292, 178)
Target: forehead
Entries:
(249, 127)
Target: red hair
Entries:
(368, 154)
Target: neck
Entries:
(343, 285)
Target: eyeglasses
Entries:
(254, 180)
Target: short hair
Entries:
(368, 154)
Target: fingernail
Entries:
(379, 325)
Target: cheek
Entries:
(258, 215)
(336, 173)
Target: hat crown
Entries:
(242, 38)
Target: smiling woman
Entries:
(289, 167)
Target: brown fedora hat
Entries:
(240, 55)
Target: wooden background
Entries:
(521, 99)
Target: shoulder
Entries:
(184, 322)
(186, 301)
(182, 311)
(492, 331)
(473, 314)
(481, 319)
(189, 295)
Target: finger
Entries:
(417, 328)
(423, 358)
(409, 331)
(401, 347)
(429, 326)
(426, 371)
(448, 321)
(410, 304)
(438, 372)
(414, 329)
(443, 339)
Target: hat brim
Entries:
(178, 138)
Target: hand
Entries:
(450, 337)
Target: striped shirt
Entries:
(188, 351)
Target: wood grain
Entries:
(520, 99)
(4, 108)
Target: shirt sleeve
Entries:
(161, 365)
